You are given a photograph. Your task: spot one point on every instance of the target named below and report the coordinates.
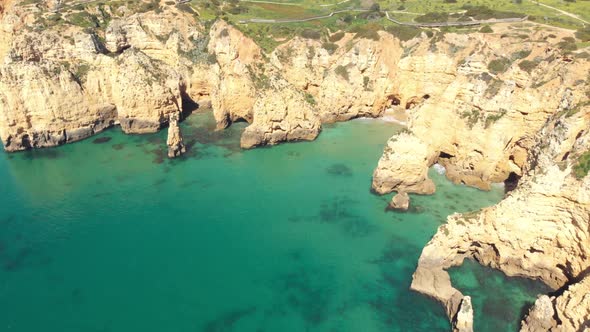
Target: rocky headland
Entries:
(489, 107)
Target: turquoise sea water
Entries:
(109, 235)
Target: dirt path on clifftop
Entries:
(574, 16)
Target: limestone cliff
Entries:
(489, 107)
(541, 230)
(350, 78)
(59, 86)
(479, 120)
(568, 311)
(280, 114)
(404, 166)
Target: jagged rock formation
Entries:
(46, 101)
(404, 166)
(476, 119)
(541, 230)
(175, 142)
(540, 317)
(400, 201)
(463, 322)
(569, 311)
(353, 78)
(280, 114)
(233, 92)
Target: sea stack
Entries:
(401, 202)
(464, 320)
(175, 143)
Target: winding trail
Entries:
(574, 16)
(422, 25)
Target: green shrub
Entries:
(498, 66)
(485, 13)
(81, 72)
(486, 29)
(405, 33)
(432, 17)
(583, 34)
(567, 45)
(336, 37)
(527, 65)
(309, 99)
(582, 165)
(490, 119)
(84, 20)
(330, 47)
(342, 71)
(367, 31)
(520, 55)
(472, 117)
(311, 34)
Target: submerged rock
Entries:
(175, 142)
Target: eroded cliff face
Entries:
(62, 83)
(568, 311)
(479, 122)
(541, 230)
(352, 78)
(489, 107)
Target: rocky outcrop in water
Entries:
(400, 201)
(463, 322)
(280, 114)
(404, 166)
(569, 311)
(47, 101)
(175, 142)
(541, 230)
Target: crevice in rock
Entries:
(445, 155)
(188, 105)
(511, 182)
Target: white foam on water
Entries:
(440, 169)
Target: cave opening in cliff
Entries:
(445, 155)
(511, 182)
(393, 100)
(188, 105)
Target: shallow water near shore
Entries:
(109, 235)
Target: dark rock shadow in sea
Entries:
(227, 321)
(119, 146)
(101, 140)
(339, 213)
(339, 170)
(306, 291)
(45, 153)
(22, 258)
